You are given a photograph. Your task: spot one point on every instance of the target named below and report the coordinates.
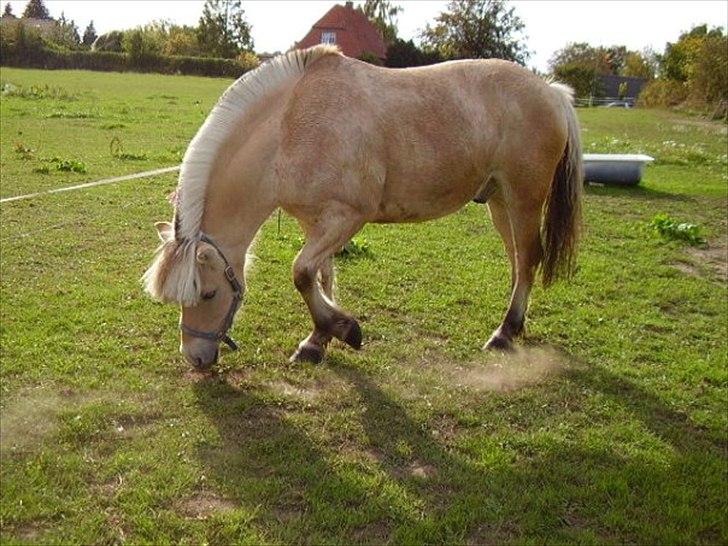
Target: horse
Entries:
(338, 143)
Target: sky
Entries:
(549, 24)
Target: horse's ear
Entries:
(165, 231)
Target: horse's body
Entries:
(343, 143)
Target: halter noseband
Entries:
(227, 321)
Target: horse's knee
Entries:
(302, 278)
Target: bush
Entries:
(401, 54)
(662, 94)
(581, 79)
(670, 228)
(46, 58)
(141, 47)
(371, 58)
(708, 80)
(248, 60)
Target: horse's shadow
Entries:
(640, 192)
(423, 490)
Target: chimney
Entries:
(349, 5)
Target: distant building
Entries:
(349, 29)
(609, 86)
(44, 27)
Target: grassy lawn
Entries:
(608, 426)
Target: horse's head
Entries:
(197, 275)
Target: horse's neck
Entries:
(242, 196)
(242, 191)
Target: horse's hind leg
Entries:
(323, 238)
(524, 212)
(502, 222)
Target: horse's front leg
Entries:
(328, 234)
(314, 346)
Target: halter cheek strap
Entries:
(221, 334)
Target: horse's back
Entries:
(397, 141)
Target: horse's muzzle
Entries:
(202, 356)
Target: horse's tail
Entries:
(562, 210)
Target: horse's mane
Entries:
(173, 275)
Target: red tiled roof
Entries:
(355, 34)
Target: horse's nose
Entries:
(201, 357)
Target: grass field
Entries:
(608, 425)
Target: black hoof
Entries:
(308, 353)
(353, 335)
(499, 342)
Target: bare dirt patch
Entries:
(715, 257)
(111, 487)
(710, 127)
(688, 269)
(524, 367)
(28, 419)
(306, 393)
(418, 469)
(205, 504)
(28, 532)
(377, 532)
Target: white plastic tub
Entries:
(619, 169)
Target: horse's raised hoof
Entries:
(307, 352)
(499, 342)
(353, 335)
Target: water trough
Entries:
(617, 169)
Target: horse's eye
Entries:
(209, 295)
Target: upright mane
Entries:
(173, 275)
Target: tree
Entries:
(401, 54)
(640, 65)
(679, 57)
(35, 9)
(66, 33)
(181, 40)
(141, 46)
(384, 16)
(89, 35)
(581, 54)
(8, 11)
(581, 77)
(477, 29)
(223, 30)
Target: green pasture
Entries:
(608, 426)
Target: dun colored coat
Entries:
(337, 143)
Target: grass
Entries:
(609, 426)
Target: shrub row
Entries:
(663, 93)
(47, 58)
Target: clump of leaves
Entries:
(70, 165)
(23, 151)
(670, 228)
(116, 148)
(8, 89)
(59, 114)
(356, 248)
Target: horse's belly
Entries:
(417, 203)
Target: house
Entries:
(44, 27)
(349, 29)
(610, 84)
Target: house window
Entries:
(328, 37)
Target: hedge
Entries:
(120, 62)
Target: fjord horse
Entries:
(337, 143)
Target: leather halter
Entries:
(222, 333)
